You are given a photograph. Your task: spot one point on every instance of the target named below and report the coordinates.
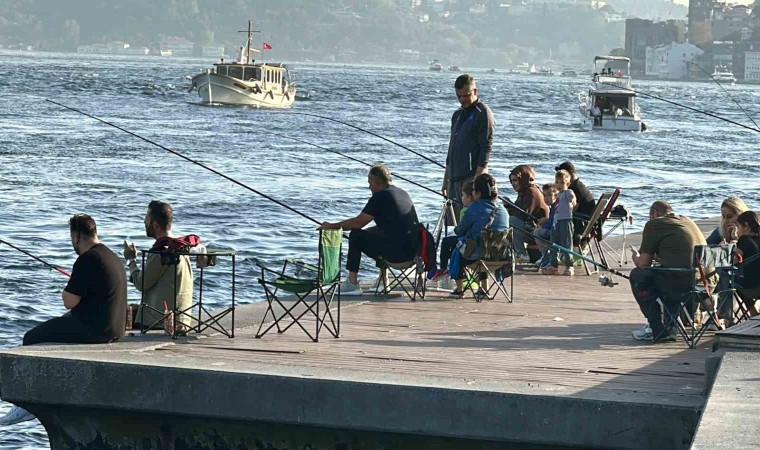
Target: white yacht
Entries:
(245, 82)
(723, 75)
(610, 102)
(435, 66)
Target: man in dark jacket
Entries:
(471, 140)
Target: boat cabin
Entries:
(609, 101)
(276, 74)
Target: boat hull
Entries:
(221, 89)
(622, 123)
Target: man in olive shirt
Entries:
(669, 239)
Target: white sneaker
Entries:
(348, 288)
(644, 334)
(16, 415)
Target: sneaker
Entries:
(666, 337)
(348, 288)
(569, 271)
(439, 274)
(16, 415)
(456, 293)
(539, 261)
(523, 258)
(644, 334)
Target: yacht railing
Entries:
(606, 81)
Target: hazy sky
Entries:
(743, 2)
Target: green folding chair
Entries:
(314, 289)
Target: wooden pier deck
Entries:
(556, 367)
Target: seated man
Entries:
(394, 236)
(670, 239)
(96, 297)
(157, 279)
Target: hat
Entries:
(567, 165)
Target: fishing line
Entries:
(372, 133)
(707, 113)
(56, 268)
(358, 161)
(726, 91)
(574, 253)
(176, 153)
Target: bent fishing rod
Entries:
(372, 133)
(176, 153)
(327, 149)
(56, 268)
(680, 105)
(504, 199)
(726, 91)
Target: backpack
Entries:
(427, 249)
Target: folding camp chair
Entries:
(321, 282)
(407, 275)
(496, 263)
(592, 245)
(622, 220)
(680, 309)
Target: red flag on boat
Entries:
(266, 46)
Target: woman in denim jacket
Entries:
(485, 212)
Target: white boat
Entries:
(569, 72)
(520, 68)
(435, 66)
(723, 75)
(453, 69)
(245, 82)
(611, 97)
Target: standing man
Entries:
(394, 236)
(161, 283)
(471, 140)
(96, 297)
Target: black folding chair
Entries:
(409, 276)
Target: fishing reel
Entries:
(607, 280)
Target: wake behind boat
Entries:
(610, 103)
(245, 82)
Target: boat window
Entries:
(252, 73)
(236, 72)
(221, 70)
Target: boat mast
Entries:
(248, 50)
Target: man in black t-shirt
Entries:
(96, 294)
(394, 236)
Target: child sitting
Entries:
(543, 233)
(562, 228)
(449, 242)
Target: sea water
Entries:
(55, 163)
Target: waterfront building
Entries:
(112, 48)
(176, 46)
(700, 20)
(729, 19)
(752, 66)
(641, 33)
(670, 61)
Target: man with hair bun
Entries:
(470, 143)
(395, 232)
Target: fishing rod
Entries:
(690, 108)
(370, 132)
(606, 282)
(176, 153)
(56, 268)
(360, 162)
(726, 91)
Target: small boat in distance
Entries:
(453, 69)
(569, 72)
(520, 68)
(436, 66)
(610, 102)
(723, 75)
(245, 82)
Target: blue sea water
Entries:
(55, 163)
